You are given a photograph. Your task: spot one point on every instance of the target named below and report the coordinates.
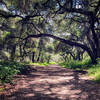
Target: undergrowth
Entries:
(39, 64)
(77, 64)
(42, 64)
(8, 70)
(93, 70)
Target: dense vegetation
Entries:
(8, 70)
(46, 31)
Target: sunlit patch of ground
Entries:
(53, 83)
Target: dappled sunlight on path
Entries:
(53, 83)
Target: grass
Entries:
(77, 64)
(42, 64)
(39, 64)
(52, 63)
(93, 70)
(1, 89)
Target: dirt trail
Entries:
(52, 83)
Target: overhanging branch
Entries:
(74, 10)
(5, 14)
(71, 43)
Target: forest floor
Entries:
(52, 83)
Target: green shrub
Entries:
(6, 74)
(97, 77)
(77, 64)
(8, 70)
(87, 61)
(72, 64)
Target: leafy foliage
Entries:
(73, 22)
(8, 70)
(77, 64)
(94, 72)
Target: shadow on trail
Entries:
(53, 83)
(89, 90)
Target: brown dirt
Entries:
(52, 83)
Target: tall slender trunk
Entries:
(94, 36)
(20, 50)
(33, 55)
(38, 59)
(13, 52)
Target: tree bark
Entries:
(13, 50)
(33, 57)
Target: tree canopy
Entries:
(73, 22)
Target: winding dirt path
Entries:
(52, 83)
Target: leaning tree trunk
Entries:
(92, 56)
(95, 39)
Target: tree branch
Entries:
(5, 27)
(97, 8)
(71, 43)
(74, 10)
(9, 14)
